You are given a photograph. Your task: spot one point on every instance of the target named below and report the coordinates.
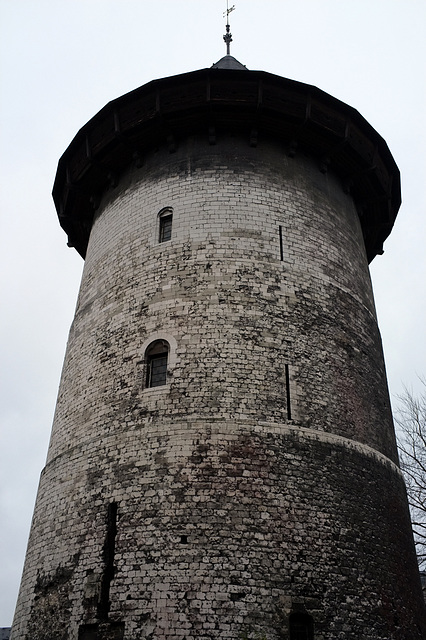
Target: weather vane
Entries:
(228, 36)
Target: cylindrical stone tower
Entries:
(222, 462)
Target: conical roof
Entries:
(228, 62)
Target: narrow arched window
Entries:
(156, 357)
(165, 227)
(301, 626)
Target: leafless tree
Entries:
(411, 421)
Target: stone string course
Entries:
(229, 515)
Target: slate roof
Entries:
(228, 62)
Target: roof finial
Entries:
(228, 36)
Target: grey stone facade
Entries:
(262, 479)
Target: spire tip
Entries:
(228, 36)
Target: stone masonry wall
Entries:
(237, 312)
(261, 479)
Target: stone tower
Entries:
(222, 462)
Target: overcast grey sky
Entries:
(63, 60)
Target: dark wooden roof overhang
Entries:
(210, 101)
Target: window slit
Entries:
(280, 232)
(108, 558)
(287, 388)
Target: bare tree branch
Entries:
(411, 435)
